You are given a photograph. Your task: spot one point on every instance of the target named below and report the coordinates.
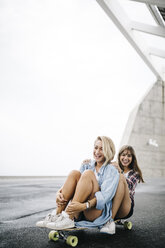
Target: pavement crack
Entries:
(25, 215)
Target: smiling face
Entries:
(98, 152)
(126, 159)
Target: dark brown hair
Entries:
(134, 164)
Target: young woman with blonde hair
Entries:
(85, 199)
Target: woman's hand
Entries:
(86, 161)
(60, 200)
(115, 164)
(74, 207)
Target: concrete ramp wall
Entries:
(145, 131)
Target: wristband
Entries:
(87, 205)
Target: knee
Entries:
(88, 174)
(75, 174)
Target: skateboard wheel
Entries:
(72, 241)
(54, 235)
(128, 225)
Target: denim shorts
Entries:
(81, 217)
(131, 210)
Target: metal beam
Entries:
(114, 11)
(149, 29)
(157, 52)
(160, 3)
(156, 15)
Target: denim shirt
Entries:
(108, 179)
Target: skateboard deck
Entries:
(71, 240)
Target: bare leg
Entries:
(86, 188)
(121, 202)
(68, 188)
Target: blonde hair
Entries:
(108, 148)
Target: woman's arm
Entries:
(132, 180)
(74, 207)
(116, 165)
(108, 187)
(86, 161)
(60, 200)
(92, 202)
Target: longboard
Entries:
(71, 240)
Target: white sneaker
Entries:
(63, 222)
(109, 227)
(50, 217)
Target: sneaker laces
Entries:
(63, 221)
(48, 217)
(107, 224)
(55, 217)
(51, 216)
(62, 217)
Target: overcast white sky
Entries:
(67, 75)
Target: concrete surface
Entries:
(145, 131)
(24, 201)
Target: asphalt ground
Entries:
(24, 201)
